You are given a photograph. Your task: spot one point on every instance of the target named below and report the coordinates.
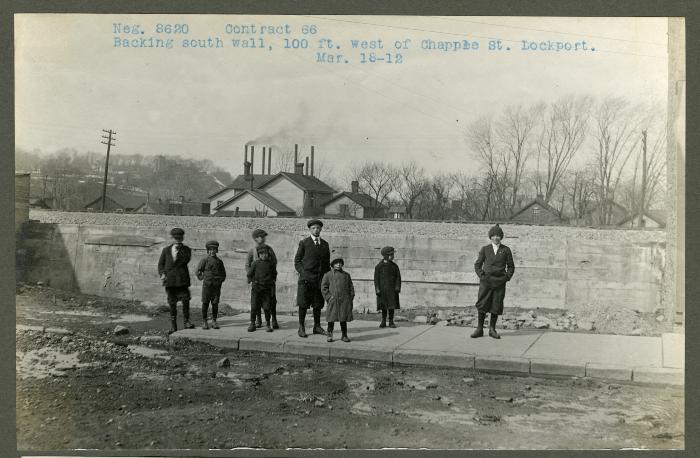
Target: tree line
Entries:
(577, 153)
(70, 179)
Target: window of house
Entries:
(535, 214)
(343, 209)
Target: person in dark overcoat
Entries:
(173, 272)
(338, 291)
(494, 266)
(312, 261)
(259, 236)
(262, 275)
(212, 272)
(387, 285)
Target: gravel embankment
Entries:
(439, 230)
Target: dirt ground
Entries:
(80, 386)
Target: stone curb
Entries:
(602, 371)
(253, 344)
(502, 364)
(307, 349)
(658, 375)
(434, 358)
(363, 353)
(554, 367)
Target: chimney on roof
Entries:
(181, 199)
(269, 161)
(299, 168)
(263, 162)
(296, 155)
(355, 186)
(307, 166)
(540, 197)
(312, 160)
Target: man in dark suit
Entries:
(312, 261)
(173, 271)
(495, 267)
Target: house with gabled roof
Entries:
(118, 200)
(652, 219)
(354, 204)
(280, 194)
(537, 211)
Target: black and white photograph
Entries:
(348, 232)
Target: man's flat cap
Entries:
(315, 221)
(177, 232)
(212, 244)
(388, 250)
(259, 233)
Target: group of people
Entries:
(321, 281)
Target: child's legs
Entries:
(215, 302)
(205, 309)
(331, 325)
(391, 314)
(254, 303)
(344, 327)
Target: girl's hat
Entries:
(388, 251)
(496, 230)
(337, 260)
(212, 244)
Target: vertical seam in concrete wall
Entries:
(566, 274)
(74, 279)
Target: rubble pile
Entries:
(438, 230)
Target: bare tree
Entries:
(284, 160)
(513, 130)
(412, 183)
(580, 189)
(563, 131)
(482, 139)
(617, 135)
(376, 179)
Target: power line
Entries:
(109, 144)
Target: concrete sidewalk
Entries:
(612, 357)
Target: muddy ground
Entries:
(80, 386)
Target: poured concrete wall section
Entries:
(120, 261)
(21, 199)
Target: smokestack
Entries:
(252, 159)
(312, 160)
(246, 168)
(355, 186)
(296, 154)
(263, 162)
(269, 161)
(307, 165)
(246, 154)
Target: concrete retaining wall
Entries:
(120, 261)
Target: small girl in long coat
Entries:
(338, 292)
(387, 285)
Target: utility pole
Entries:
(109, 144)
(644, 178)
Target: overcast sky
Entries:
(71, 82)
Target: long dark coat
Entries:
(311, 261)
(494, 270)
(387, 285)
(176, 272)
(339, 293)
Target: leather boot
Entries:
(273, 312)
(186, 315)
(492, 327)
(205, 325)
(251, 327)
(173, 326)
(383, 323)
(344, 330)
(391, 319)
(302, 319)
(317, 323)
(480, 327)
(258, 319)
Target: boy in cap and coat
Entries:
(387, 285)
(212, 272)
(259, 236)
(262, 275)
(173, 272)
(339, 293)
(311, 262)
(495, 267)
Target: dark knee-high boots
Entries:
(186, 315)
(383, 323)
(317, 322)
(492, 326)
(479, 332)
